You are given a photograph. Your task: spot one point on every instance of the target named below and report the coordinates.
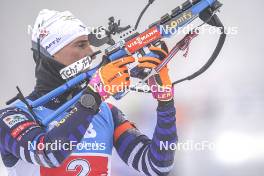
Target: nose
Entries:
(89, 51)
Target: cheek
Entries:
(84, 52)
(70, 57)
(80, 53)
(74, 55)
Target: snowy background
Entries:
(224, 106)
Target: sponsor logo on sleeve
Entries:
(12, 120)
(21, 128)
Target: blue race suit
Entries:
(93, 138)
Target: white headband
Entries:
(56, 29)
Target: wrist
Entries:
(168, 106)
(97, 86)
(164, 94)
(162, 104)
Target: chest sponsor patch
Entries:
(90, 133)
(12, 120)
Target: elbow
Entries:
(165, 172)
(56, 165)
(160, 170)
(52, 159)
(55, 161)
(164, 168)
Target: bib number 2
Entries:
(79, 163)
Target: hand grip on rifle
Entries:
(111, 78)
(141, 72)
(160, 84)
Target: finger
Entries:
(123, 61)
(121, 81)
(114, 75)
(124, 69)
(158, 80)
(119, 76)
(159, 50)
(149, 59)
(164, 69)
(125, 75)
(147, 65)
(164, 76)
(164, 46)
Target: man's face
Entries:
(74, 51)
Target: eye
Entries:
(82, 45)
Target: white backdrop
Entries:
(223, 106)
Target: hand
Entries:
(111, 78)
(160, 84)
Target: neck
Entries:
(47, 79)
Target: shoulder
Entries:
(12, 116)
(9, 111)
(118, 116)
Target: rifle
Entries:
(133, 43)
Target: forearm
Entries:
(30, 142)
(160, 158)
(146, 155)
